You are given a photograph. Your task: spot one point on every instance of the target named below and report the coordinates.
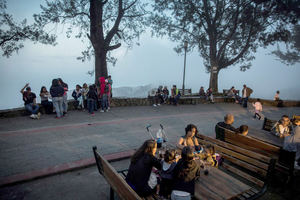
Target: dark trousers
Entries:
(48, 105)
(245, 102)
(91, 105)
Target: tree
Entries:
(104, 23)
(225, 32)
(292, 55)
(13, 34)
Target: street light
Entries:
(185, 48)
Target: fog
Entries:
(153, 63)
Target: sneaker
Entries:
(158, 104)
(35, 116)
(93, 114)
(108, 108)
(38, 115)
(32, 116)
(57, 117)
(154, 105)
(101, 110)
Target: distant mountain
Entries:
(131, 92)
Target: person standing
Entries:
(84, 92)
(246, 92)
(45, 95)
(29, 99)
(65, 96)
(57, 93)
(91, 99)
(110, 82)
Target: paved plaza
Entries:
(28, 145)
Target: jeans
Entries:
(65, 103)
(104, 103)
(33, 109)
(91, 105)
(245, 101)
(58, 104)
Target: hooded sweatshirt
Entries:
(102, 85)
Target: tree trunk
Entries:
(213, 82)
(100, 65)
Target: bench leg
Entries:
(112, 194)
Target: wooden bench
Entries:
(268, 124)
(116, 180)
(186, 92)
(285, 160)
(255, 169)
(246, 142)
(225, 92)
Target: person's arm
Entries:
(22, 90)
(156, 163)
(180, 143)
(196, 142)
(34, 99)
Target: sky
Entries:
(153, 62)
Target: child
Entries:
(211, 156)
(258, 108)
(166, 174)
(243, 130)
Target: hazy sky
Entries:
(153, 62)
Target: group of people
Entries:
(283, 128)
(173, 176)
(163, 96)
(56, 100)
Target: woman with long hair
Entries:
(185, 173)
(45, 95)
(140, 168)
(189, 138)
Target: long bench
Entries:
(253, 168)
(285, 159)
(116, 180)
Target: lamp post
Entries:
(185, 48)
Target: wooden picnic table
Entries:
(218, 185)
(265, 136)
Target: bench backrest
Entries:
(117, 183)
(186, 91)
(242, 161)
(268, 124)
(246, 142)
(296, 117)
(225, 92)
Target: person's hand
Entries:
(26, 84)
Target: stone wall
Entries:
(120, 102)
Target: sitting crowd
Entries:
(162, 96)
(174, 175)
(89, 98)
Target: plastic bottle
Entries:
(159, 138)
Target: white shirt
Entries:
(245, 93)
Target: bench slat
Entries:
(117, 183)
(237, 149)
(243, 174)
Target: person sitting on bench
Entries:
(292, 142)
(243, 130)
(281, 128)
(185, 174)
(189, 138)
(227, 124)
(141, 166)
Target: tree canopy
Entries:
(225, 32)
(13, 34)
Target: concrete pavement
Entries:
(28, 145)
